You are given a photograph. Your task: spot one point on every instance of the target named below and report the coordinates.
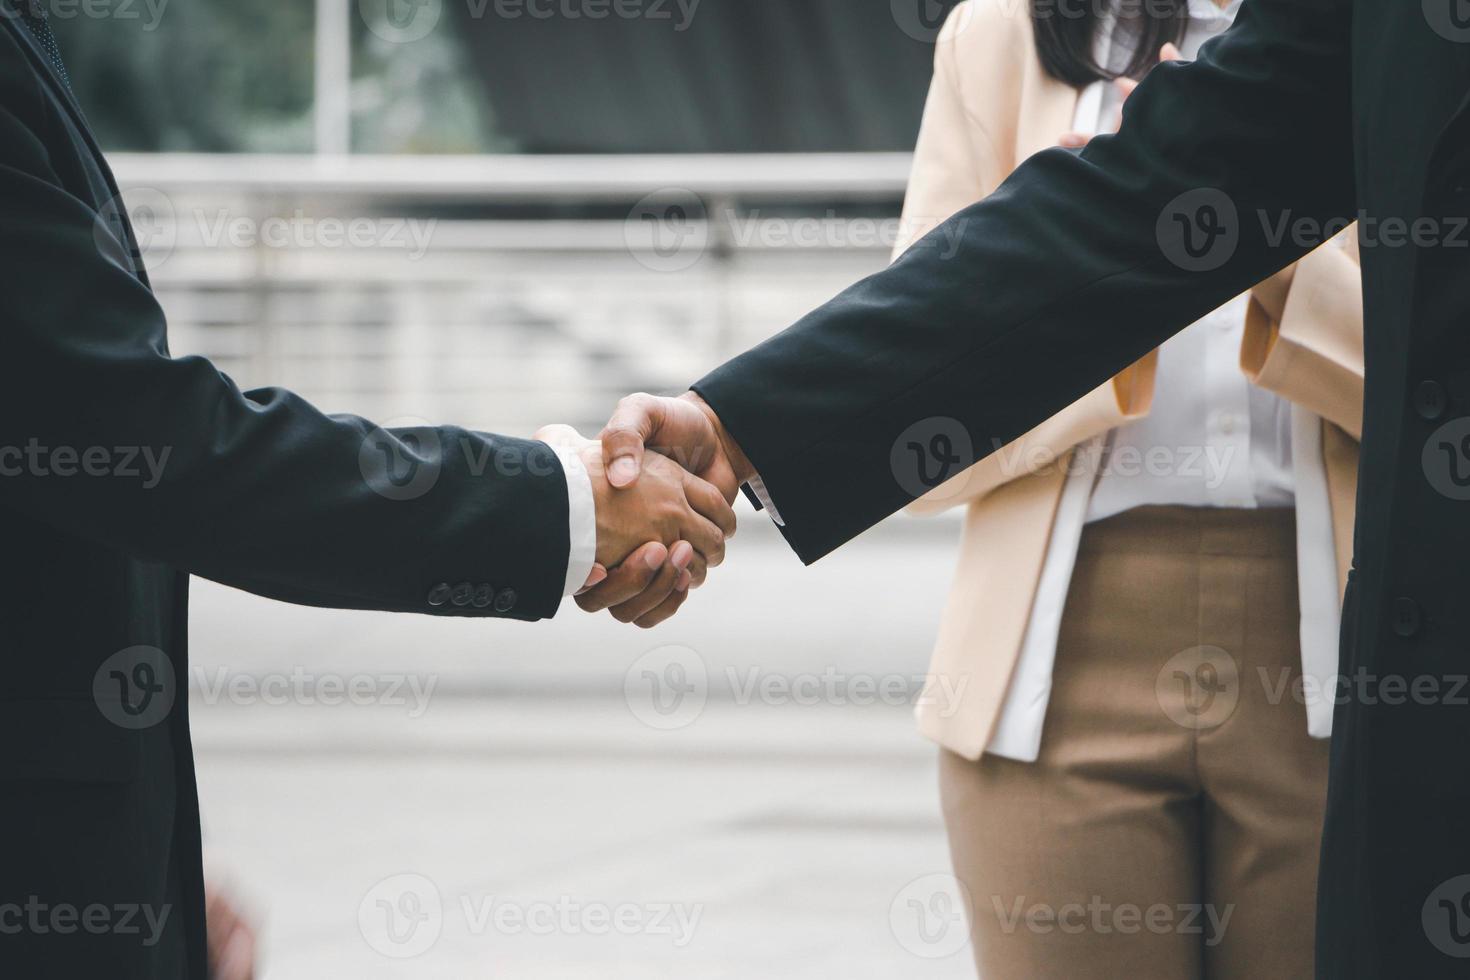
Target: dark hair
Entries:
(1066, 29)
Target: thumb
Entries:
(635, 421)
(1169, 52)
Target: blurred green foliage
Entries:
(192, 75)
(236, 76)
(418, 97)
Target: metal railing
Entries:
(810, 177)
(435, 311)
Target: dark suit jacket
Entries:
(98, 818)
(1323, 110)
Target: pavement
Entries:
(738, 793)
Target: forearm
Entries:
(109, 438)
(1059, 281)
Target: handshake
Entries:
(664, 474)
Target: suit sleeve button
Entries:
(506, 600)
(1406, 617)
(462, 594)
(439, 594)
(1429, 400)
(484, 596)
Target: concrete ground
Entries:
(738, 793)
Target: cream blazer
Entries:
(990, 106)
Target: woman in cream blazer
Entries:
(1132, 709)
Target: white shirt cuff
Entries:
(758, 487)
(581, 521)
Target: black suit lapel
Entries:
(40, 61)
(63, 94)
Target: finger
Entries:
(633, 423)
(708, 501)
(231, 939)
(663, 610)
(650, 598)
(698, 571)
(683, 557)
(1073, 141)
(598, 573)
(219, 918)
(705, 536)
(1170, 52)
(627, 580)
(1125, 86)
(237, 961)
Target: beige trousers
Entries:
(1171, 825)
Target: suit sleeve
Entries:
(1314, 354)
(105, 436)
(1077, 266)
(955, 165)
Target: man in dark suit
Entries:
(123, 471)
(1306, 115)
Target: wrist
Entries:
(739, 464)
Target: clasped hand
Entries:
(658, 533)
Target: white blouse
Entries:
(1211, 439)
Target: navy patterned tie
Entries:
(33, 13)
